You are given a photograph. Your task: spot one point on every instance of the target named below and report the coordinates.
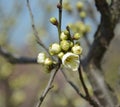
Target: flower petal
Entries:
(71, 60)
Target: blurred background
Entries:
(21, 85)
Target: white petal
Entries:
(41, 58)
(71, 60)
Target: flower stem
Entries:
(60, 18)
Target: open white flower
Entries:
(41, 58)
(71, 60)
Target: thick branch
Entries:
(103, 36)
(105, 32)
(14, 59)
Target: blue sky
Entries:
(19, 33)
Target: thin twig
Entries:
(73, 85)
(60, 17)
(87, 97)
(82, 81)
(48, 87)
(34, 28)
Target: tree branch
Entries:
(15, 59)
(34, 28)
(87, 97)
(103, 36)
(60, 17)
(48, 87)
(73, 85)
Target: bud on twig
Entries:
(54, 21)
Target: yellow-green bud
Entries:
(66, 32)
(48, 61)
(79, 6)
(83, 14)
(63, 36)
(82, 28)
(54, 21)
(67, 6)
(54, 49)
(60, 55)
(65, 45)
(76, 49)
(77, 36)
(71, 44)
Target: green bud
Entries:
(48, 61)
(63, 36)
(66, 32)
(67, 6)
(77, 36)
(76, 49)
(60, 55)
(83, 14)
(54, 49)
(71, 44)
(65, 45)
(54, 21)
(82, 28)
(79, 6)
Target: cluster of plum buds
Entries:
(68, 50)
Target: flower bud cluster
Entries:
(42, 59)
(80, 29)
(68, 50)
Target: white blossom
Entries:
(71, 61)
(41, 58)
